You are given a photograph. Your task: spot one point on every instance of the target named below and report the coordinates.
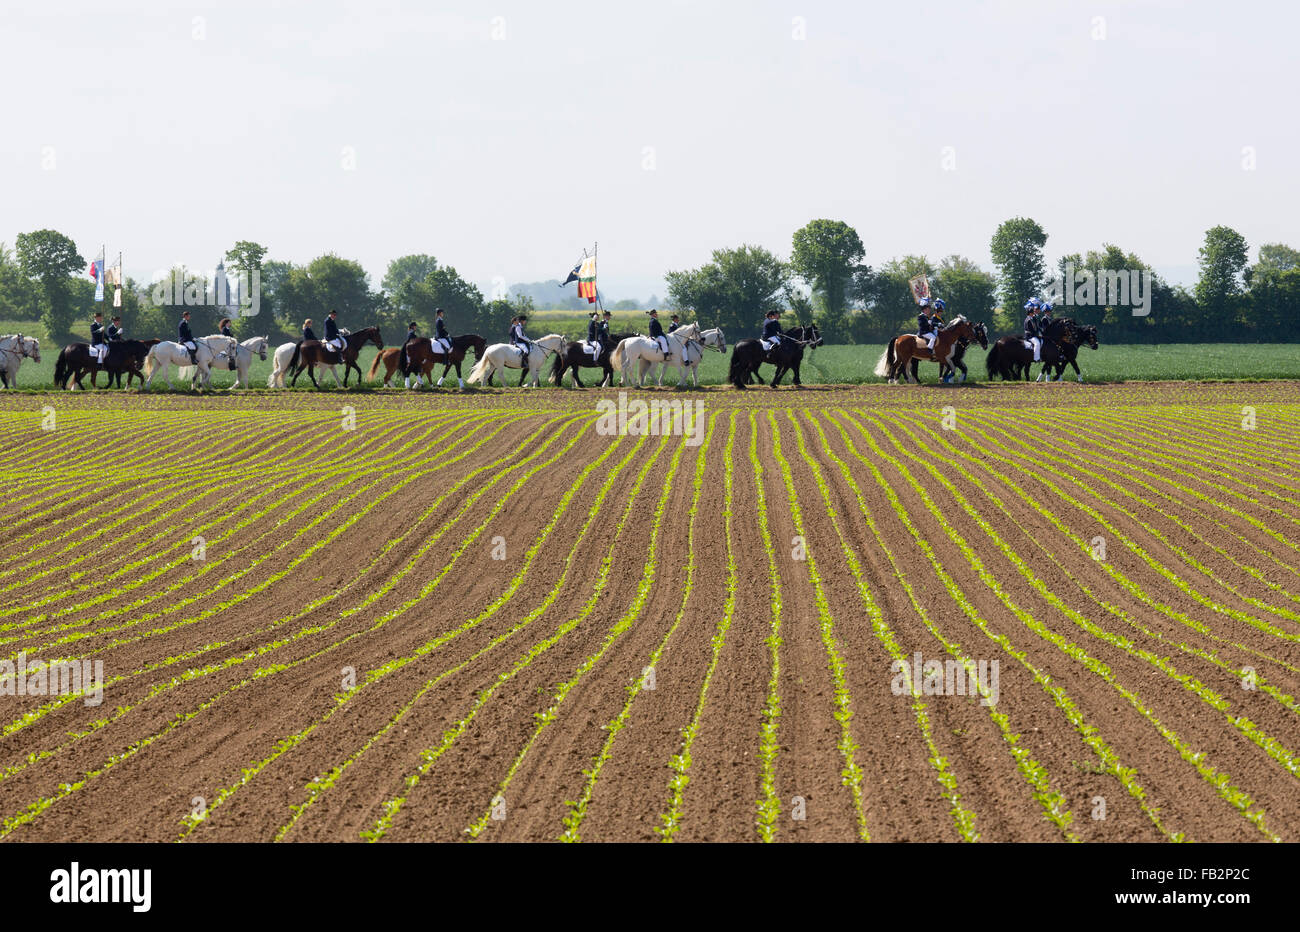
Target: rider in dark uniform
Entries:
(97, 337)
(657, 333)
(332, 333)
(517, 337)
(412, 334)
(674, 323)
(440, 334)
(593, 335)
(602, 333)
(307, 332)
(113, 333)
(224, 328)
(1034, 329)
(772, 330)
(186, 338)
(928, 322)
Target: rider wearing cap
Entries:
(517, 337)
(98, 343)
(657, 332)
(1034, 328)
(440, 334)
(673, 323)
(593, 346)
(333, 340)
(186, 338)
(772, 331)
(928, 321)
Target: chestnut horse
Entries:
(312, 353)
(897, 357)
(421, 358)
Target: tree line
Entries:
(825, 280)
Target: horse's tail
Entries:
(293, 360)
(150, 362)
(886, 360)
(480, 367)
(557, 370)
(61, 370)
(374, 366)
(616, 357)
(738, 371)
(991, 362)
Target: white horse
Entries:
(502, 356)
(280, 368)
(645, 352)
(167, 354)
(13, 350)
(244, 353)
(691, 355)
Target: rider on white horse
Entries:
(657, 332)
(98, 342)
(185, 338)
(518, 339)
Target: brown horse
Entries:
(312, 353)
(421, 357)
(896, 359)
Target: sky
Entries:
(503, 137)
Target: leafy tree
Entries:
(50, 259)
(1220, 288)
(414, 268)
(19, 296)
(733, 291)
(1017, 249)
(441, 288)
(966, 289)
(1277, 256)
(890, 308)
(827, 254)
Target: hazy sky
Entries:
(502, 137)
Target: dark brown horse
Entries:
(1011, 359)
(421, 357)
(312, 353)
(896, 359)
(75, 362)
(573, 356)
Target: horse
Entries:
(502, 356)
(1079, 336)
(947, 373)
(572, 356)
(312, 353)
(1010, 358)
(243, 358)
(421, 357)
(75, 362)
(13, 350)
(893, 362)
(165, 354)
(692, 354)
(645, 352)
(786, 356)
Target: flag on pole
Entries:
(920, 286)
(97, 273)
(587, 279)
(573, 276)
(115, 279)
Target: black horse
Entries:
(1011, 359)
(786, 356)
(958, 352)
(75, 362)
(1079, 336)
(573, 356)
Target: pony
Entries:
(948, 373)
(165, 354)
(502, 356)
(901, 350)
(645, 352)
(14, 348)
(1079, 336)
(421, 357)
(572, 356)
(312, 353)
(786, 356)
(1010, 358)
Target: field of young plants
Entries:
(1023, 613)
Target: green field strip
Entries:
(578, 810)
(1057, 469)
(768, 805)
(1270, 745)
(620, 627)
(680, 764)
(34, 809)
(1087, 733)
(851, 775)
(315, 605)
(1219, 781)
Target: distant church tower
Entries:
(225, 297)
